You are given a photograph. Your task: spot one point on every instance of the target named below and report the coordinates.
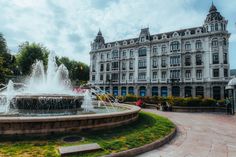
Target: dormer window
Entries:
(131, 41)
(198, 31)
(187, 32)
(117, 44)
(142, 39)
(164, 36)
(155, 38)
(109, 45)
(125, 43)
(175, 34)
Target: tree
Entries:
(3, 44)
(28, 54)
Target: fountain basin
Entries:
(46, 102)
(68, 123)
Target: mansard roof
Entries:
(159, 36)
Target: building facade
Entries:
(187, 62)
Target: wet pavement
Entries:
(199, 135)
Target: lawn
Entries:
(148, 128)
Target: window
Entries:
(176, 91)
(215, 72)
(131, 75)
(174, 46)
(164, 91)
(93, 77)
(154, 63)
(114, 77)
(131, 65)
(198, 44)
(163, 62)
(123, 91)
(102, 56)
(142, 52)
(108, 67)
(187, 60)
(225, 42)
(108, 77)
(199, 74)
(114, 65)
(123, 77)
(101, 67)
(131, 90)
(214, 43)
(226, 73)
(154, 91)
(216, 92)
(123, 65)
(188, 91)
(163, 48)
(93, 68)
(174, 60)
(114, 54)
(115, 91)
(225, 58)
(101, 77)
(212, 27)
(154, 50)
(142, 39)
(198, 59)
(142, 91)
(108, 56)
(174, 74)
(216, 26)
(142, 76)
(163, 75)
(131, 53)
(215, 58)
(199, 91)
(142, 64)
(187, 46)
(124, 54)
(154, 75)
(188, 74)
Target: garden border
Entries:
(148, 147)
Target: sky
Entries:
(67, 27)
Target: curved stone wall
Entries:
(72, 123)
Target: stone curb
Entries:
(145, 148)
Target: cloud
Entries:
(68, 27)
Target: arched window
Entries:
(176, 91)
(123, 91)
(200, 91)
(198, 44)
(188, 91)
(174, 46)
(115, 91)
(164, 91)
(187, 46)
(131, 90)
(154, 91)
(216, 92)
(142, 51)
(142, 91)
(214, 42)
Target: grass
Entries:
(148, 128)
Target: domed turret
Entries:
(98, 41)
(214, 20)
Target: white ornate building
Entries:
(187, 62)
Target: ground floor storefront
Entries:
(206, 90)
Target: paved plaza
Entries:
(199, 135)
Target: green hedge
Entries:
(174, 101)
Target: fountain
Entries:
(45, 103)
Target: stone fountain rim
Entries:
(130, 110)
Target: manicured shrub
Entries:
(131, 98)
(194, 102)
(209, 102)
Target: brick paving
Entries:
(199, 135)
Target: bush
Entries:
(208, 102)
(194, 102)
(131, 98)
